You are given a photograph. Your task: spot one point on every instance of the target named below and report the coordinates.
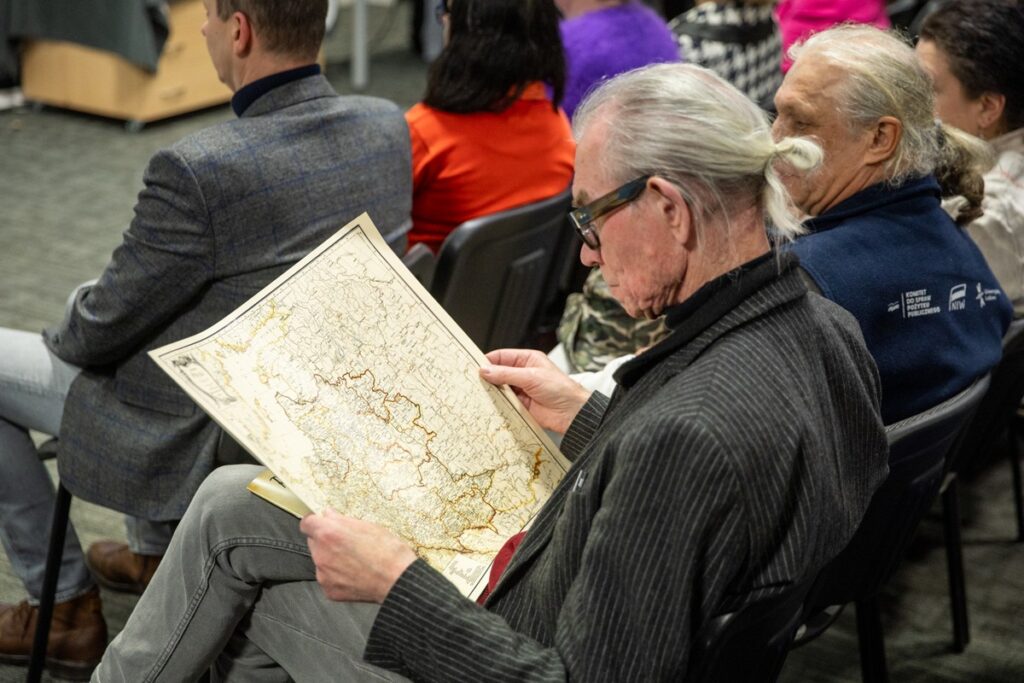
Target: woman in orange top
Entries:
(487, 137)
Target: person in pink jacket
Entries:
(800, 18)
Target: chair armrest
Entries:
(420, 261)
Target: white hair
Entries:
(883, 78)
(685, 124)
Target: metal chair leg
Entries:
(955, 565)
(871, 640)
(1018, 490)
(54, 556)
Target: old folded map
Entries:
(348, 381)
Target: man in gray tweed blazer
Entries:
(222, 213)
(734, 459)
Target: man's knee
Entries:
(223, 497)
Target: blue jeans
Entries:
(236, 592)
(33, 386)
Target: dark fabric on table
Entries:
(133, 29)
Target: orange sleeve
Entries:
(422, 168)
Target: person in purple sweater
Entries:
(603, 38)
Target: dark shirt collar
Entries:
(706, 306)
(251, 92)
(871, 199)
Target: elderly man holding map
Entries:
(733, 460)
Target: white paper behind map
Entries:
(355, 388)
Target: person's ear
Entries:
(241, 34)
(670, 205)
(992, 105)
(885, 138)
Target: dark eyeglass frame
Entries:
(440, 10)
(584, 217)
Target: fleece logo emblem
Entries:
(986, 295)
(915, 303)
(958, 297)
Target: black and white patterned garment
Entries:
(739, 42)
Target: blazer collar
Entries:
(290, 93)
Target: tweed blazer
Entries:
(735, 458)
(222, 213)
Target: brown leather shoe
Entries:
(78, 635)
(118, 568)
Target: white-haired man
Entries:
(879, 243)
(723, 470)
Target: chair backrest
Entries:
(751, 644)
(997, 407)
(918, 447)
(420, 262)
(492, 272)
(566, 276)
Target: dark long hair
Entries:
(495, 49)
(984, 43)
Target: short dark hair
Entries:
(982, 39)
(290, 27)
(495, 49)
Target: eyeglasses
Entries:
(441, 10)
(584, 217)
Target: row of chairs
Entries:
(927, 453)
(499, 277)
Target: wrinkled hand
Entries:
(356, 561)
(548, 393)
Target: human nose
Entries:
(590, 257)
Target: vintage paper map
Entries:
(356, 389)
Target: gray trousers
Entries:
(236, 592)
(33, 385)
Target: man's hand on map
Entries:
(548, 393)
(356, 561)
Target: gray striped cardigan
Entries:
(736, 457)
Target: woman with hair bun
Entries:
(974, 53)
(487, 137)
(879, 243)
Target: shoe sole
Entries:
(58, 668)
(119, 586)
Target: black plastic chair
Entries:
(567, 276)
(492, 272)
(751, 645)
(1018, 486)
(228, 453)
(420, 262)
(995, 417)
(918, 447)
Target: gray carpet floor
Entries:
(67, 186)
